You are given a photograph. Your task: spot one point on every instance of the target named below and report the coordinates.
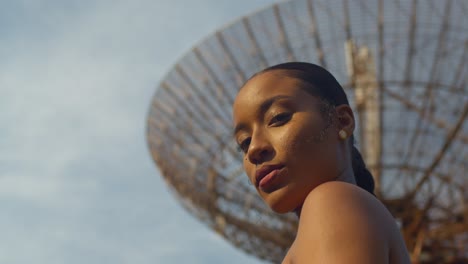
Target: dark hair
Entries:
(321, 83)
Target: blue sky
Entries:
(77, 184)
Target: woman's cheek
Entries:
(291, 146)
(288, 143)
(306, 150)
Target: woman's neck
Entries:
(346, 175)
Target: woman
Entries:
(294, 125)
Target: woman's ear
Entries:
(345, 118)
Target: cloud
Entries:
(77, 184)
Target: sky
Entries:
(77, 183)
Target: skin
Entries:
(316, 180)
(286, 134)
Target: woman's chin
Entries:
(280, 201)
(279, 206)
(285, 199)
(281, 210)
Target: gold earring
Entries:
(343, 135)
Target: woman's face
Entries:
(278, 127)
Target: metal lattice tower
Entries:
(403, 66)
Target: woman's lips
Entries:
(268, 181)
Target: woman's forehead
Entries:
(265, 85)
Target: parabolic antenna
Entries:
(403, 66)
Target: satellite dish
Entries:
(403, 66)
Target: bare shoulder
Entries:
(331, 196)
(342, 223)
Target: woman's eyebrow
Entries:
(267, 103)
(240, 126)
(263, 107)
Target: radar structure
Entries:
(403, 67)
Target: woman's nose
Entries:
(259, 150)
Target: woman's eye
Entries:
(280, 119)
(244, 145)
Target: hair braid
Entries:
(362, 175)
